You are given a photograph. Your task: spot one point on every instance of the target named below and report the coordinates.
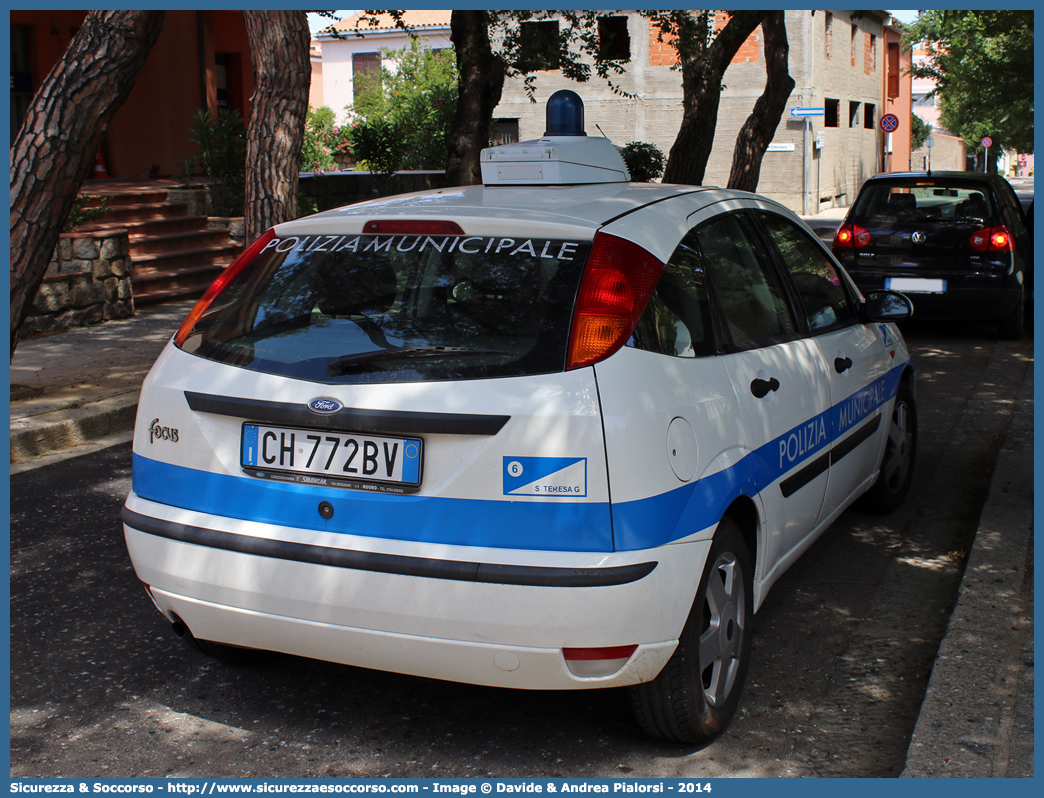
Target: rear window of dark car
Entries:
(925, 201)
(397, 308)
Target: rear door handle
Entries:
(761, 388)
(842, 364)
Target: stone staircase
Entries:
(174, 254)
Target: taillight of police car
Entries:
(245, 258)
(851, 235)
(616, 286)
(993, 239)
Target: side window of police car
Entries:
(819, 286)
(677, 319)
(746, 289)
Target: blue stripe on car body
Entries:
(558, 525)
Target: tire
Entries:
(696, 694)
(1012, 325)
(897, 464)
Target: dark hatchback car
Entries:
(956, 243)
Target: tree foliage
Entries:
(982, 62)
(919, 132)
(402, 118)
(644, 161)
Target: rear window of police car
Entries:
(334, 309)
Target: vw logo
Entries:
(324, 405)
(918, 237)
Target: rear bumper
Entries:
(981, 297)
(480, 616)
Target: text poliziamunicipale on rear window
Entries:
(469, 245)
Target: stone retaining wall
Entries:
(235, 225)
(88, 281)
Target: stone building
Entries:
(837, 59)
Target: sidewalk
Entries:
(82, 385)
(977, 717)
(78, 390)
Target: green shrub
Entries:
(644, 161)
(319, 137)
(222, 157)
(408, 112)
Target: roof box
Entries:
(565, 156)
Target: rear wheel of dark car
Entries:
(696, 694)
(1012, 326)
(897, 465)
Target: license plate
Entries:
(332, 458)
(915, 285)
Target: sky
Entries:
(905, 16)
(317, 23)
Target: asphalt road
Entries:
(843, 645)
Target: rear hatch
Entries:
(396, 379)
(924, 228)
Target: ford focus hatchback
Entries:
(557, 431)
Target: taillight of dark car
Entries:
(851, 235)
(992, 239)
(616, 286)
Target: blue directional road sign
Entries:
(821, 111)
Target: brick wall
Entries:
(663, 53)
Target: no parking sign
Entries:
(889, 123)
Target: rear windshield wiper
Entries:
(338, 365)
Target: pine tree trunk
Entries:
(760, 127)
(481, 83)
(702, 74)
(275, 131)
(55, 148)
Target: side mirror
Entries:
(887, 306)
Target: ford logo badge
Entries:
(324, 405)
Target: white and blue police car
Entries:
(555, 431)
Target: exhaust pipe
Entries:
(179, 628)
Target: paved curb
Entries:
(977, 717)
(83, 384)
(48, 432)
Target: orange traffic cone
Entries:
(99, 168)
